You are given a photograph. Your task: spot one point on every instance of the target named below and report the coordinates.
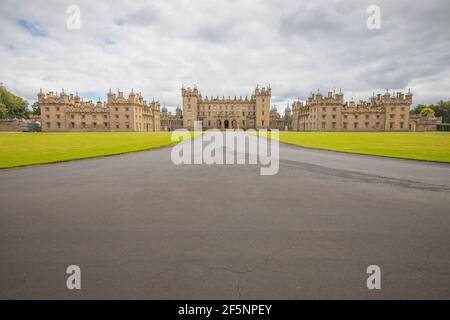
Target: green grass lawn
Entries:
(430, 146)
(24, 149)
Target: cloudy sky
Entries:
(226, 47)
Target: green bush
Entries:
(443, 127)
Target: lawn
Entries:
(24, 149)
(430, 146)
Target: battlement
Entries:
(193, 92)
(51, 98)
(263, 91)
(331, 98)
(189, 92)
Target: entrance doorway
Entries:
(226, 124)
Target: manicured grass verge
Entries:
(428, 146)
(25, 149)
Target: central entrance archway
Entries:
(226, 124)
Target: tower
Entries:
(262, 101)
(190, 104)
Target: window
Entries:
(334, 108)
(356, 116)
(367, 116)
(401, 125)
(392, 116)
(117, 109)
(263, 113)
(83, 116)
(95, 124)
(117, 116)
(367, 125)
(323, 109)
(391, 125)
(58, 124)
(333, 125)
(209, 123)
(48, 124)
(72, 124)
(126, 109)
(72, 116)
(355, 125)
(262, 122)
(58, 116)
(345, 116)
(94, 116)
(57, 108)
(128, 126)
(105, 116)
(127, 116)
(117, 126)
(105, 124)
(243, 122)
(323, 125)
(46, 109)
(48, 116)
(345, 125)
(323, 116)
(83, 124)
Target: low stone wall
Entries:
(10, 125)
(28, 125)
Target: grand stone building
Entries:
(281, 122)
(169, 121)
(226, 113)
(331, 113)
(65, 112)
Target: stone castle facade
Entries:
(226, 113)
(171, 122)
(319, 113)
(279, 122)
(65, 112)
(331, 113)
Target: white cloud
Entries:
(226, 48)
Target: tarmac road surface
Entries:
(141, 227)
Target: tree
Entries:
(417, 109)
(426, 111)
(3, 111)
(36, 109)
(15, 106)
(442, 109)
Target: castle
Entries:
(70, 113)
(319, 113)
(226, 113)
(332, 113)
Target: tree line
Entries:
(440, 109)
(15, 107)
